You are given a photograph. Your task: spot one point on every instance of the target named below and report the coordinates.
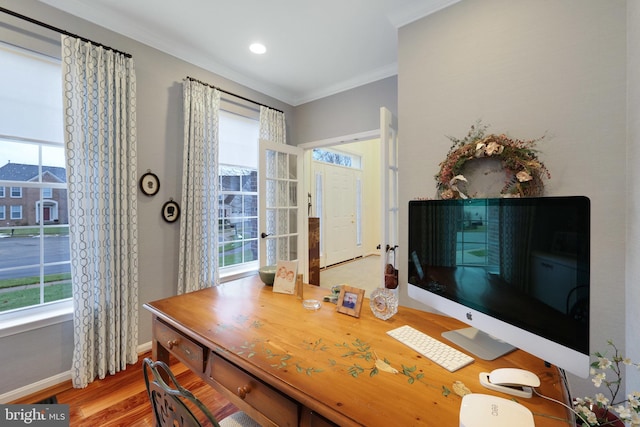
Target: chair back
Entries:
(170, 401)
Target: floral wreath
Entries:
(518, 157)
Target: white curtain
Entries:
(99, 90)
(272, 125)
(198, 258)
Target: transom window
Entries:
(335, 157)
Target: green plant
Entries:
(593, 411)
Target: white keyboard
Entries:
(438, 352)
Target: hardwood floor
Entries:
(121, 399)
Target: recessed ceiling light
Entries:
(258, 48)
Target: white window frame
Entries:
(15, 209)
(37, 316)
(232, 272)
(2, 191)
(3, 213)
(19, 193)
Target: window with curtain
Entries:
(34, 230)
(238, 193)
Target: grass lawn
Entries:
(26, 297)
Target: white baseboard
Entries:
(29, 389)
(35, 387)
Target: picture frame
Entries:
(285, 280)
(350, 300)
(171, 211)
(149, 183)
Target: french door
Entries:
(389, 216)
(280, 199)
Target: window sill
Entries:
(29, 319)
(232, 273)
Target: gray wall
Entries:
(529, 68)
(42, 353)
(346, 113)
(633, 180)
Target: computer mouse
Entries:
(514, 377)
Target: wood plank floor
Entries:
(121, 400)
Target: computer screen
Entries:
(515, 269)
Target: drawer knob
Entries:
(171, 344)
(243, 391)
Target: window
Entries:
(16, 212)
(336, 157)
(472, 238)
(238, 194)
(1, 192)
(32, 167)
(16, 192)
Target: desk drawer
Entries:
(187, 351)
(271, 403)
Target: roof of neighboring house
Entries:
(24, 172)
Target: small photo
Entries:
(285, 280)
(350, 300)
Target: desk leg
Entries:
(158, 352)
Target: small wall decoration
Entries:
(519, 160)
(350, 300)
(285, 281)
(171, 211)
(149, 183)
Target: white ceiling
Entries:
(314, 48)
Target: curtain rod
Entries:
(233, 94)
(58, 30)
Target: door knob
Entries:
(264, 235)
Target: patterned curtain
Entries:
(272, 128)
(100, 141)
(198, 259)
(516, 227)
(272, 125)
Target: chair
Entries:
(171, 402)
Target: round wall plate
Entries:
(149, 184)
(383, 303)
(171, 211)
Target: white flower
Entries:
(598, 378)
(494, 148)
(627, 361)
(601, 399)
(634, 400)
(623, 412)
(604, 363)
(523, 176)
(635, 419)
(480, 147)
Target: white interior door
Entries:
(389, 216)
(341, 214)
(280, 200)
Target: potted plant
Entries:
(607, 410)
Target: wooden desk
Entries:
(286, 365)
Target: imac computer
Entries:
(516, 270)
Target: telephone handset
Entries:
(514, 381)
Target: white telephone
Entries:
(514, 381)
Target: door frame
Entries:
(308, 179)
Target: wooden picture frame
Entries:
(350, 300)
